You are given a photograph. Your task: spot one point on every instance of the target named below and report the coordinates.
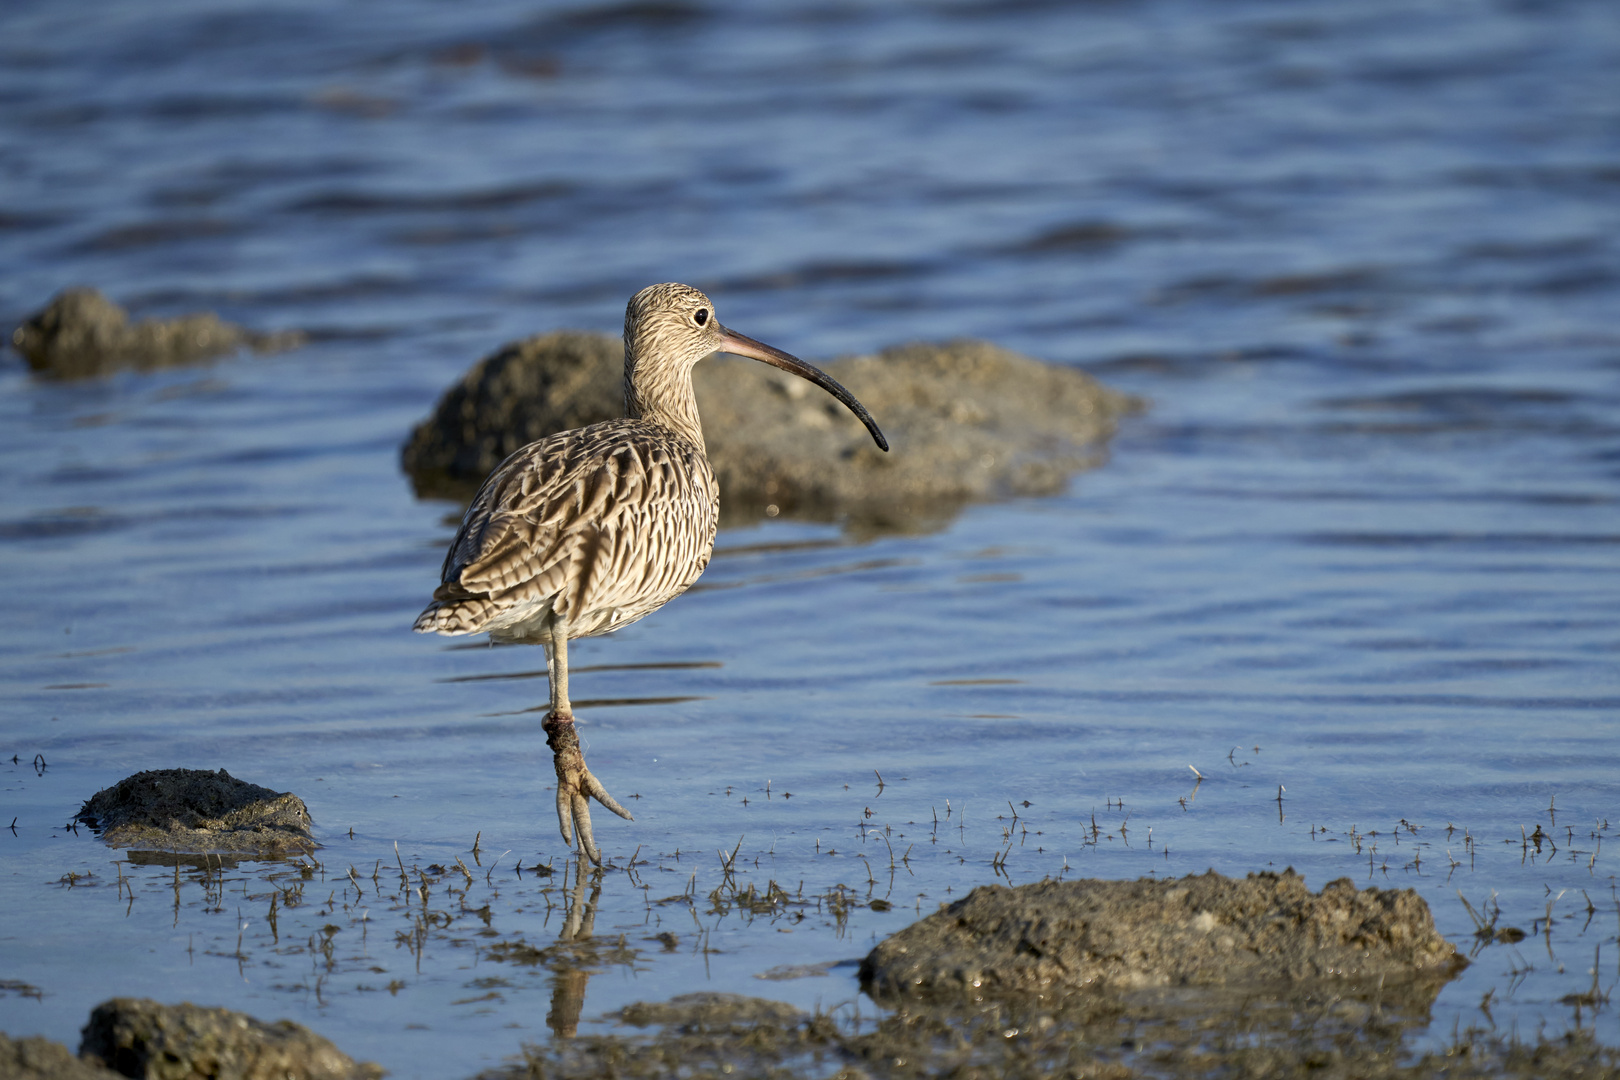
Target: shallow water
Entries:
(1361, 257)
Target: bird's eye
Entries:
(701, 316)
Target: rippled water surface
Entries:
(1356, 566)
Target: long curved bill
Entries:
(742, 345)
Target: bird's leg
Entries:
(575, 784)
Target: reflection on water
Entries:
(676, 666)
(1359, 255)
(568, 979)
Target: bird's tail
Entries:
(450, 618)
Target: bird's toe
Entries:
(587, 841)
(565, 812)
(594, 788)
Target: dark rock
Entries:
(522, 392)
(81, 334)
(143, 1038)
(1200, 931)
(38, 1058)
(967, 421)
(196, 810)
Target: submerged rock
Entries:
(144, 1038)
(967, 421)
(1200, 931)
(81, 333)
(196, 810)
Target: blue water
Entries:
(1361, 257)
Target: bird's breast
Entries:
(655, 536)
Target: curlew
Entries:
(589, 530)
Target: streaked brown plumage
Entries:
(589, 530)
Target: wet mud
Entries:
(967, 421)
(81, 334)
(730, 1035)
(1206, 930)
(712, 1034)
(197, 811)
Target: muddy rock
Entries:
(38, 1058)
(195, 810)
(143, 1038)
(966, 420)
(1198, 931)
(81, 334)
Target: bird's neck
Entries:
(662, 393)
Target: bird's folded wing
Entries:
(533, 540)
(538, 526)
(603, 525)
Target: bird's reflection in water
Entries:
(570, 971)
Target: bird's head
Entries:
(671, 324)
(670, 327)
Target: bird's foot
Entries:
(576, 786)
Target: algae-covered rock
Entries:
(966, 420)
(144, 1038)
(196, 810)
(81, 333)
(1202, 930)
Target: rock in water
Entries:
(522, 392)
(1200, 931)
(81, 333)
(195, 810)
(140, 1037)
(967, 421)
